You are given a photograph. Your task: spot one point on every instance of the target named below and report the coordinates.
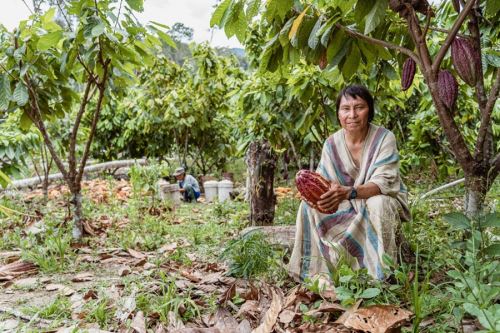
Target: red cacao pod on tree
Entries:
(448, 88)
(408, 73)
(311, 186)
(465, 60)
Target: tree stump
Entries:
(261, 163)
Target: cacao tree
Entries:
(50, 71)
(355, 35)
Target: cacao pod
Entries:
(448, 88)
(408, 74)
(465, 60)
(311, 186)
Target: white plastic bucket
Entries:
(210, 187)
(170, 192)
(225, 188)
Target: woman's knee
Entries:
(380, 201)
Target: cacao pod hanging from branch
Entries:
(408, 73)
(311, 186)
(465, 60)
(448, 88)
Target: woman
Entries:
(362, 162)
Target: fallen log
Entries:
(28, 182)
(276, 235)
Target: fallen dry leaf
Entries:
(228, 294)
(65, 290)
(18, 268)
(139, 323)
(82, 277)
(224, 321)
(272, 313)
(249, 308)
(167, 248)
(136, 254)
(124, 270)
(174, 322)
(286, 316)
(377, 318)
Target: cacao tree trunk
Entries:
(476, 188)
(261, 164)
(76, 201)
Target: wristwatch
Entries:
(353, 194)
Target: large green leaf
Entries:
(98, 29)
(375, 16)
(5, 93)
(493, 250)
(457, 220)
(20, 95)
(314, 36)
(351, 62)
(25, 122)
(491, 220)
(253, 8)
(49, 40)
(137, 5)
(219, 13)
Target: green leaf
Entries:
(25, 122)
(219, 13)
(314, 37)
(492, 7)
(458, 221)
(164, 37)
(370, 293)
(137, 5)
(49, 40)
(4, 179)
(253, 8)
(351, 62)
(20, 94)
(491, 220)
(493, 250)
(375, 16)
(5, 93)
(98, 29)
(362, 9)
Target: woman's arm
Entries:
(338, 193)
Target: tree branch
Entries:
(76, 126)
(379, 42)
(486, 116)
(452, 34)
(447, 32)
(36, 118)
(102, 89)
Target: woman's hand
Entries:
(336, 194)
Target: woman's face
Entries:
(353, 114)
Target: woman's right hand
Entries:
(331, 199)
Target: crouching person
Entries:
(188, 185)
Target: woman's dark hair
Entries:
(356, 91)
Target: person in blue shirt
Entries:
(188, 185)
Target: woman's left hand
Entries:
(331, 199)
